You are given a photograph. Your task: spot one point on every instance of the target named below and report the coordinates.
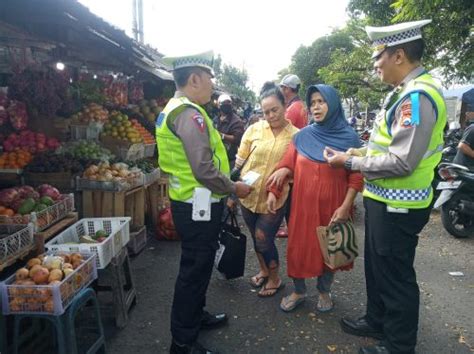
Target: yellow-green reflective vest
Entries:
(413, 191)
(172, 157)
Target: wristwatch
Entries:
(222, 136)
(348, 164)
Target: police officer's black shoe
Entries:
(195, 348)
(213, 321)
(375, 349)
(360, 327)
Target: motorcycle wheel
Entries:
(457, 224)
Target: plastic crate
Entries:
(150, 150)
(151, 177)
(131, 153)
(137, 241)
(118, 229)
(14, 239)
(86, 132)
(50, 299)
(45, 218)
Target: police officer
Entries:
(192, 153)
(398, 166)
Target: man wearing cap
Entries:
(295, 110)
(192, 153)
(230, 126)
(398, 165)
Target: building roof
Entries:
(81, 37)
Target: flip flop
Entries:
(287, 304)
(275, 289)
(323, 309)
(257, 281)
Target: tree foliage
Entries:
(352, 72)
(308, 60)
(449, 37)
(233, 80)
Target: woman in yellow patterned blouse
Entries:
(264, 144)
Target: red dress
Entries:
(318, 191)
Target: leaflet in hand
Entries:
(250, 177)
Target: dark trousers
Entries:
(198, 249)
(393, 296)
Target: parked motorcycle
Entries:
(456, 199)
(451, 141)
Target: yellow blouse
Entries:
(267, 153)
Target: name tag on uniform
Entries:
(397, 210)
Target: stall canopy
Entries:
(74, 35)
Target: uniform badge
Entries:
(160, 119)
(199, 120)
(405, 119)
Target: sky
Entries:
(258, 35)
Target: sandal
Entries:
(288, 304)
(321, 308)
(257, 280)
(273, 291)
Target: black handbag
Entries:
(230, 257)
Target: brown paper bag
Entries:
(338, 244)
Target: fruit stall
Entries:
(80, 188)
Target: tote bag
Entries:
(230, 257)
(338, 244)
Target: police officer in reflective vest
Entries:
(192, 153)
(398, 165)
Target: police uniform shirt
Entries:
(410, 142)
(190, 127)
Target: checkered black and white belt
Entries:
(399, 194)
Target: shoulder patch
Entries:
(159, 119)
(405, 114)
(199, 121)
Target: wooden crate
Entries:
(156, 199)
(45, 235)
(96, 203)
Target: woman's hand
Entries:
(278, 177)
(342, 214)
(271, 203)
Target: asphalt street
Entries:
(257, 325)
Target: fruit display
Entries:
(135, 91)
(88, 150)
(15, 160)
(4, 102)
(117, 172)
(18, 201)
(48, 162)
(30, 141)
(120, 127)
(93, 112)
(18, 115)
(144, 133)
(115, 90)
(47, 283)
(98, 237)
(150, 108)
(146, 166)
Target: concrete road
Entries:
(258, 325)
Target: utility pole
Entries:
(137, 24)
